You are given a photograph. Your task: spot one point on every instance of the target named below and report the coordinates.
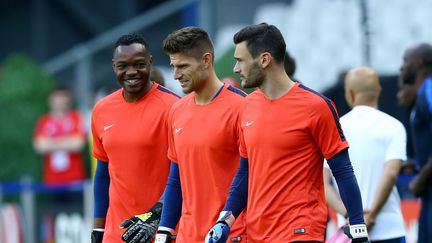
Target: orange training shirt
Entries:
(132, 138)
(204, 141)
(285, 141)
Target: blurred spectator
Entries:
(377, 149)
(156, 75)
(416, 92)
(60, 137)
(231, 81)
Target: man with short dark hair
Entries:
(203, 141)
(130, 144)
(287, 130)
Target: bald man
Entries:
(377, 149)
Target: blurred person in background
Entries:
(231, 81)
(416, 93)
(60, 137)
(130, 142)
(377, 150)
(290, 66)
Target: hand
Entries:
(415, 186)
(142, 228)
(220, 232)
(97, 236)
(369, 218)
(164, 236)
(357, 233)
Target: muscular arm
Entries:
(387, 182)
(45, 145)
(101, 194)
(417, 185)
(331, 195)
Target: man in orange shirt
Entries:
(287, 130)
(203, 141)
(130, 143)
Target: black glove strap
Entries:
(97, 236)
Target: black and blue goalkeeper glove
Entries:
(142, 228)
(357, 233)
(220, 232)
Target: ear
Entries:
(151, 60)
(266, 59)
(207, 60)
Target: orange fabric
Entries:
(204, 142)
(132, 138)
(286, 141)
(69, 125)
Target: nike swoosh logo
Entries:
(177, 130)
(108, 127)
(249, 123)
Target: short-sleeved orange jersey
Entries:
(286, 141)
(133, 139)
(204, 141)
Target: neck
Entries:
(208, 91)
(366, 101)
(133, 97)
(276, 83)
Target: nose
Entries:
(236, 68)
(177, 74)
(131, 71)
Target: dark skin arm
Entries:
(417, 185)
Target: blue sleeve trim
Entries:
(172, 206)
(237, 91)
(349, 191)
(101, 190)
(163, 89)
(238, 194)
(332, 109)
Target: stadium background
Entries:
(70, 42)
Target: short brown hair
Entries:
(191, 41)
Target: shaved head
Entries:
(362, 86)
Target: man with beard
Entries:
(130, 144)
(416, 92)
(287, 130)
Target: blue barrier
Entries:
(16, 187)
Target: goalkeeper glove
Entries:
(97, 235)
(357, 233)
(164, 236)
(220, 232)
(142, 228)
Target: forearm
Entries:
(332, 197)
(45, 145)
(101, 193)
(171, 210)
(237, 197)
(349, 191)
(425, 172)
(385, 187)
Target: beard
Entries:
(255, 78)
